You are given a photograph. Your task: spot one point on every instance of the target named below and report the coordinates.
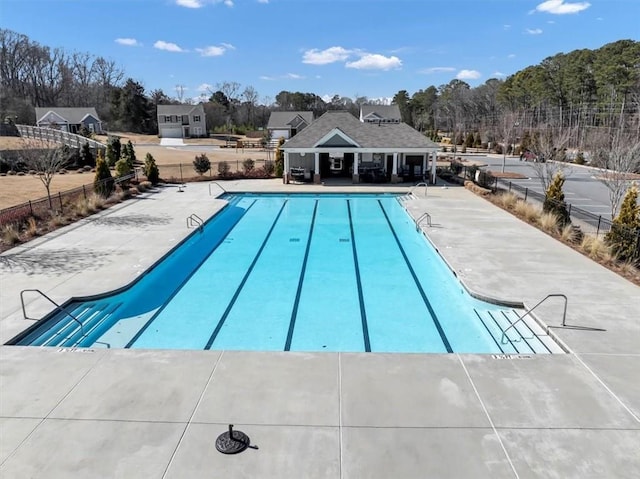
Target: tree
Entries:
(46, 158)
(280, 158)
(86, 157)
(150, 169)
(201, 164)
(130, 107)
(621, 159)
(103, 183)
(123, 169)
(114, 151)
(554, 200)
(549, 146)
(248, 165)
(624, 236)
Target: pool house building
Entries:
(339, 145)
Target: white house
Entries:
(181, 121)
(286, 124)
(70, 120)
(380, 114)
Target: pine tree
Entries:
(554, 200)
(201, 164)
(103, 184)
(624, 236)
(131, 153)
(86, 157)
(151, 169)
(280, 159)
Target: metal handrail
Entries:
(418, 185)
(58, 307)
(423, 216)
(218, 185)
(194, 219)
(564, 314)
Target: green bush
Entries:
(280, 158)
(151, 170)
(103, 184)
(269, 168)
(201, 164)
(554, 201)
(624, 237)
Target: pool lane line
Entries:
(296, 303)
(168, 300)
(363, 312)
(224, 316)
(488, 330)
(427, 303)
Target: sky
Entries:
(351, 48)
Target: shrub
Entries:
(123, 169)
(86, 157)
(526, 211)
(10, 234)
(248, 165)
(486, 179)
(269, 168)
(579, 160)
(223, 169)
(150, 169)
(554, 200)
(201, 164)
(280, 158)
(549, 222)
(103, 184)
(508, 200)
(624, 236)
(32, 227)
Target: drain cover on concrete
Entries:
(232, 442)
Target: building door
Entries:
(389, 166)
(185, 131)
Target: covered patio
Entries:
(339, 145)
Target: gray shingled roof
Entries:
(390, 112)
(73, 115)
(367, 135)
(283, 119)
(179, 109)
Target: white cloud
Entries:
(168, 46)
(130, 42)
(498, 75)
(506, 27)
(324, 57)
(375, 61)
(205, 87)
(211, 51)
(228, 46)
(267, 78)
(263, 1)
(428, 71)
(468, 75)
(533, 31)
(190, 3)
(294, 76)
(511, 55)
(560, 7)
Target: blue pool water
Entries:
(295, 272)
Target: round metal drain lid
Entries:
(232, 442)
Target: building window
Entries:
(196, 118)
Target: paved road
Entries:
(581, 187)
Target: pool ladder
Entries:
(520, 318)
(58, 307)
(417, 186)
(424, 216)
(218, 185)
(194, 221)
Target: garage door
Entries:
(171, 132)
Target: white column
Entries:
(424, 165)
(355, 177)
(316, 167)
(394, 171)
(286, 167)
(434, 160)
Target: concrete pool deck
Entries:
(154, 414)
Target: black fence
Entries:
(57, 203)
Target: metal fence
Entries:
(183, 171)
(57, 136)
(58, 203)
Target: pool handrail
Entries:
(58, 307)
(422, 183)
(422, 217)
(218, 185)
(554, 295)
(194, 219)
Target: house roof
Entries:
(391, 136)
(286, 119)
(73, 115)
(389, 112)
(179, 109)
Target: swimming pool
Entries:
(296, 272)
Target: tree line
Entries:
(592, 93)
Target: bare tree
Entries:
(508, 125)
(550, 145)
(622, 159)
(47, 158)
